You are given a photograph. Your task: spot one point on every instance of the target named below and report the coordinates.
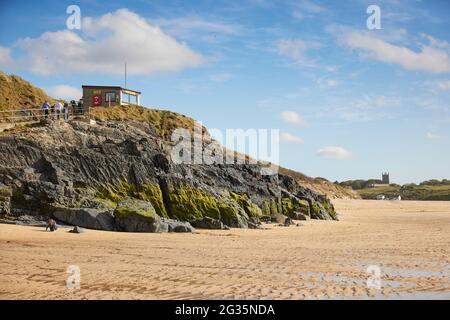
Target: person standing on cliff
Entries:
(58, 109)
(45, 107)
(66, 111)
(80, 107)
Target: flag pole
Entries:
(125, 75)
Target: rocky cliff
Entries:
(55, 167)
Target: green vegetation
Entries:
(187, 203)
(330, 209)
(250, 208)
(133, 207)
(271, 206)
(164, 122)
(435, 182)
(409, 192)
(427, 190)
(16, 93)
(150, 192)
(359, 184)
(228, 213)
(320, 185)
(289, 206)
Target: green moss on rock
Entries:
(266, 208)
(134, 207)
(188, 203)
(323, 210)
(227, 212)
(150, 192)
(291, 205)
(249, 207)
(330, 209)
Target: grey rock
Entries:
(279, 218)
(300, 216)
(5, 206)
(208, 223)
(76, 229)
(133, 215)
(252, 225)
(265, 219)
(5, 200)
(288, 222)
(178, 226)
(78, 162)
(85, 217)
(37, 221)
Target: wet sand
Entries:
(407, 241)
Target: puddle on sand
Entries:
(320, 278)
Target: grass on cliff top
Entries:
(163, 121)
(17, 93)
(320, 185)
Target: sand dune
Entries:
(409, 241)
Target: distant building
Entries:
(105, 96)
(385, 177)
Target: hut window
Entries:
(129, 98)
(110, 96)
(133, 99)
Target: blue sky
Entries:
(349, 102)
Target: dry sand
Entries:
(409, 241)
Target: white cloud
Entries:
(221, 77)
(287, 137)
(331, 82)
(327, 83)
(432, 136)
(430, 58)
(306, 9)
(292, 117)
(65, 92)
(334, 153)
(5, 58)
(296, 49)
(104, 45)
(443, 85)
(185, 25)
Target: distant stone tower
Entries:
(385, 177)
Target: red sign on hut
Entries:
(96, 100)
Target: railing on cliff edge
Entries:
(38, 114)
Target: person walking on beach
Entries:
(58, 109)
(45, 108)
(51, 224)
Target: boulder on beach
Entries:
(77, 230)
(133, 215)
(300, 216)
(208, 223)
(86, 217)
(278, 218)
(178, 226)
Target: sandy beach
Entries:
(408, 241)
